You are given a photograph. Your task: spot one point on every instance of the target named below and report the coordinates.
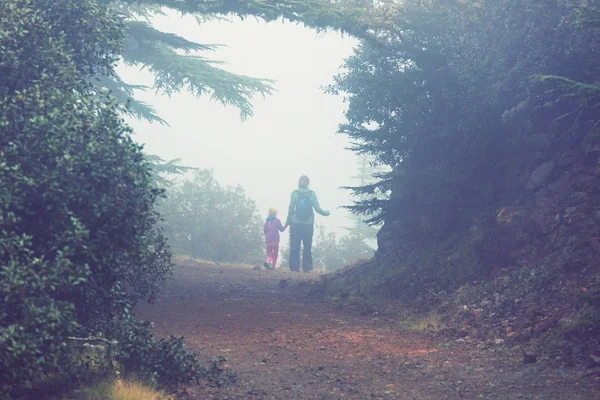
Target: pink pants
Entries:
(272, 253)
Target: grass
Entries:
(119, 390)
(432, 321)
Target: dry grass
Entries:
(433, 321)
(120, 390)
(134, 391)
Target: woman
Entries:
(301, 220)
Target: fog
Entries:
(292, 132)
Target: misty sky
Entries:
(292, 131)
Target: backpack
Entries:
(304, 207)
(271, 228)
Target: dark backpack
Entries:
(304, 207)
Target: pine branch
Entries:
(161, 170)
(318, 14)
(142, 110)
(123, 93)
(130, 9)
(573, 89)
(203, 18)
(174, 72)
(370, 189)
(143, 31)
(579, 88)
(374, 208)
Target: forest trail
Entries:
(285, 343)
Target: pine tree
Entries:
(367, 174)
(443, 104)
(364, 176)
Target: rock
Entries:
(522, 321)
(526, 334)
(545, 325)
(283, 283)
(529, 357)
(570, 210)
(567, 323)
(497, 299)
(257, 268)
(539, 175)
(595, 360)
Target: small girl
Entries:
(272, 228)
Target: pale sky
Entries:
(292, 132)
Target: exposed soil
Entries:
(285, 343)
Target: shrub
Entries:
(206, 220)
(164, 362)
(78, 242)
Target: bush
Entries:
(206, 220)
(163, 362)
(78, 242)
(331, 253)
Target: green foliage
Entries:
(326, 254)
(163, 362)
(345, 15)
(442, 102)
(367, 175)
(331, 253)
(206, 220)
(586, 15)
(124, 93)
(587, 93)
(163, 171)
(174, 72)
(78, 237)
(176, 62)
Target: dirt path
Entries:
(286, 344)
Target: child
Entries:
(272, 228)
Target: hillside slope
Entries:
(527, 271)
